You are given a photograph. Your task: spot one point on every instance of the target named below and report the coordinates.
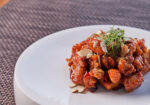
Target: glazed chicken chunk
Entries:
(110, 59)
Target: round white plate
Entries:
(42, 75)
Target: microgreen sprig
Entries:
(113, 40)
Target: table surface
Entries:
(22, 22)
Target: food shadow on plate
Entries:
(143, 90)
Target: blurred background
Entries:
(22, 22)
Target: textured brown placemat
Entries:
(24, 21)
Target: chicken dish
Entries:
(109, 59)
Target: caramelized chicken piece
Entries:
(77, 60)
(138, 63)
(95, 66)
(111, 61)
(132, 82)
(108, 62)
(129, 59)
(95, 62)
(146, 67)
(147, 56)
(114, 75)
(78, 69)
(132, 48)
(109, 85)
(89, 82)
(125, 68)
(139, 51)
(97, 73)
(94, 45)
(124, 50)
(77, 75)
(141, 44)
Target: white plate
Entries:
(42, 75)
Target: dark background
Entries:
(22, 22)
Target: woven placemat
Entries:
(22, 22)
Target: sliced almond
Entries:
(98, 38)
(72, 85)
(99, 60)
(98, 32)
(103, 46)
(84, 52)
(89, 55)
(94, 44)
(107, 33)
(74, 90)
(80, 89)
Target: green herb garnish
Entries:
(113, 40)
